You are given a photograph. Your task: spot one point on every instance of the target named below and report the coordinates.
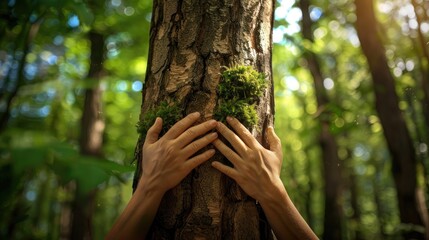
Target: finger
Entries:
(197, 145)
(182, 125)
(193, 132)
(273, 140)
(227, 152)
(242, 132)
(153, 132)
(229, 171)
(232, 138)
(197, 160)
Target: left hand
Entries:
(167, 160)
(256, 168)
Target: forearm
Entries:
(136, 219)
(284, 218)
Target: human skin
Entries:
(257, 171)
(166, 161)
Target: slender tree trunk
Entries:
(29, 32)
(331, 163)
(309, 193)
(308, 206)
(420, 12)
(353, 188)
(53, 222)
(395, 131)
(409, 94)
(423, 56)
(190, 43)
(356, 216)
(91, 139)
(377, 188)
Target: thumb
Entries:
(273, 140)
(153, 132)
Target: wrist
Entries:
(149, 187)
(275, 193)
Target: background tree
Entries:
(91, 137)
(331, 162)
(395, 130)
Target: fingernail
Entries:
(214, 135)
(229, 118)
(211, 151)
(212, 122)
(195, 114)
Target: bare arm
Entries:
(166, 161)
(257, 171)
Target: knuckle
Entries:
(208, 125)
(247, 134)
(179, 125)
(252, 157)
(221, 128)
(150, 130)
(191, 132)
(195, 146)
(230, 155)
(170, 149)
(248, 152)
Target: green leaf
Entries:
(28, 158)
(89, 172)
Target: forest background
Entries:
(46, 70)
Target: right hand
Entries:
(169, 159)
(256, 168)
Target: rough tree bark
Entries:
(91, 138)
(395, 130)
(331, 162)
(190, 43)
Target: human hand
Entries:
(166, 161)
(256, 169)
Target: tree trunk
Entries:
(28, 32)
(424, 51)
(377, 184)
(91, 138)
(309, 216)
(354, 194)
(395, 131)
(190, 43)
(331, 162)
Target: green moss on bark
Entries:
(239, 90)
(170, 114)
